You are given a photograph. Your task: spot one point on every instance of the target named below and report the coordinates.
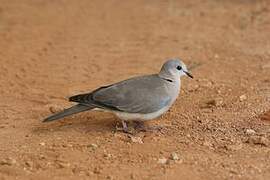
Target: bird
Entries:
(137, 99)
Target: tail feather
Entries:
(72, 110)
(81, 98)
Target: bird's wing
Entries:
(144, 94)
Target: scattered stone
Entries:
(89, 173)
(234, 147)
(29, 164)
(97, 170)
(42, 144)
(92, 146)
(69, 145)
(55, 108)
(42, 157)
(258, 140)
(250, 132)
(109, 177)
(207, 110)
(136, 139)
(2, 126)
(174, 156)
(132, 176)
(107, 155)
(265, 116)
(162, 160)
(64, 164)
(8, 161)
(215, 102)
(243, 97)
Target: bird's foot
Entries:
(125, 128)
(140, 126)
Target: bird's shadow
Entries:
(85, 123)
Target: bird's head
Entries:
(173, 69)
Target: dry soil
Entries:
(50, 50)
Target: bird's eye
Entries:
(179, 68)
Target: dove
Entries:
(137, 99)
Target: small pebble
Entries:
(174, 156)
(265, 116)
(107, 155)
(162, 160)
(54, 108)
(93, 146)
(250, 132)
(109, 177)
(258, 140)
(63, 164)
(234, 147)
(132, 176)
(42, 144)
(29, 164)
(215, 102)
(8, 161)
(243, 97)
(97, 170)
(136, 139)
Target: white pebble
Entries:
(174, 156)
(162, 160)
(243, 97)
(250, 131)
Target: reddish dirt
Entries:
(54, 49)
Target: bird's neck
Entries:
(169, 77)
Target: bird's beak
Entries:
(188, 74)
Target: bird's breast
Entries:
(173, 90)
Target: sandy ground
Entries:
(50, 50)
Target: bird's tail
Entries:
(72, 110)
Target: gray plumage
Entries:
(129, 95)
(138, 98)
(72, 110)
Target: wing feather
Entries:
(144, 94)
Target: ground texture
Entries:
(217, 128)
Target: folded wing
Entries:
(137, 95)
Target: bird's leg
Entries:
(124, 127)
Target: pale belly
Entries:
(136, 116)
(140, 117)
